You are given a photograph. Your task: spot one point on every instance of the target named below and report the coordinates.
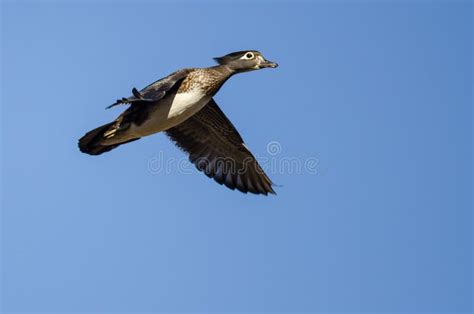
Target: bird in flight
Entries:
(182, 106)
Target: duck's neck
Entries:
(220, 74)
(225, 70)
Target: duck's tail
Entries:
(92, 142)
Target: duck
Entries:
(182, 106)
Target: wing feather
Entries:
(218, 150)
(155, 91)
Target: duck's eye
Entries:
(249, 55)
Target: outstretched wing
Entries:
(216, 148)
(155, 91)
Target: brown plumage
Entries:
(217, 149)
(181, 105)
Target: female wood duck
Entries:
(182, 106)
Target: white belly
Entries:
(171, 112)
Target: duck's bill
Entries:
(268, 64)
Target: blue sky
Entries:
(377, 94)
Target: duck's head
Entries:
(246, 60)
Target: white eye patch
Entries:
(248, 56)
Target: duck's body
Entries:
(187, 98)
(175, 104)
(170, 112)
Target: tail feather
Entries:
(90, 143)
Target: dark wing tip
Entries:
(114, 104)
(119, 102)
(137, 94)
